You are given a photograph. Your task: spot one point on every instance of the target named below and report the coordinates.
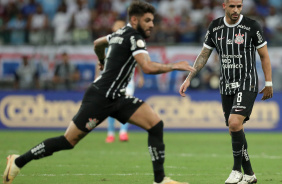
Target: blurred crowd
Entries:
(47, 22)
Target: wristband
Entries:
(268, 83)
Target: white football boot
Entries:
(234, 177)
(167, 180)
(247, 179)
(11, 170)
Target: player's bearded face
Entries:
(233, 9)
(145, 25)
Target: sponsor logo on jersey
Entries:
(220, 38)
(231, 56)
(207, 35)
(133, 43)
(260, 39)
(239, 38)
(229, 42)
(231, 66)
(244, 27)
(238, 107)
(218, 28)
(117, 40)
(233, 85)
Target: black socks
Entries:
(157, 150)
(246, 163)
(240, 153)
(237, 147)
(44, 149)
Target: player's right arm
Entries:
(201, 60)
(150, 67)
(100, 45)
(198, 65)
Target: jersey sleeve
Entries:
(109, 36)
(208, 43)
(258, 36)
(137, 45)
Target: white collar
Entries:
(233, 25)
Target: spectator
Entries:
(61, 25)
(17, 26)
(66, 74)
(273, 22)
(37, 25)
(263, 8)
(103, 19)
(81, 24)
(50, 7)
(29, 8)
(26, 76)
(120, 7)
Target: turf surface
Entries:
(198, 158)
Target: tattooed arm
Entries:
(198, 65)
(150, 67)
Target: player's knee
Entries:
(234, 125)
(157, 128)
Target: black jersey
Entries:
(120, 64)
(236, 45)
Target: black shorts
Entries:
(240, 103)
(95, 108)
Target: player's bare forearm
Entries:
(200, 62)
(99, 47)
(265, 63)
(150, 67)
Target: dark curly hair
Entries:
(139, 8)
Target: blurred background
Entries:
(38, 38)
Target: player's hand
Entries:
(267, 92)
(184, 87)
(100, 66)
(183, 66)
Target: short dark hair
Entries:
(139, 8)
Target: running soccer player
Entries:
(236, 39)
(105, 97)
(123, 131)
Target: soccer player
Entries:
(105, 97)
(236, 39)
(123, 131)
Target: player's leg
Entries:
(87, 118)
(240, 112)
(227, 103)
(46, 148)
(135, 111)
(146, 118)
(110, 130)
(123, 132)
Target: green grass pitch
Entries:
(194, 157)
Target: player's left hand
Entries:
(184, 87)
(267, 92)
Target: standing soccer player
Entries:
(236, 39)
(106, 96)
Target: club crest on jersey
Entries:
(91, 124)
(239, 38)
